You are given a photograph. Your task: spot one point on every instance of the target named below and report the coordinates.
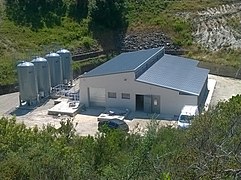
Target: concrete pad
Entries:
(86, 124)
(113, 113)
(225, 88)
(66, 107)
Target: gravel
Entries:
(225, 88)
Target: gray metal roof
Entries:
(176, 73)
(124, 62)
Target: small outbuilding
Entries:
(146, 80)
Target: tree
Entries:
(35, 14)
(108, 13)
(78, 9)
(209, 149)
(214, 142)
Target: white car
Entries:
(187, 114)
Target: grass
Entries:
(142, 12)
(167, 16)
(22, 38)
(177, 28)
(81, 66)
(228, 57)
(235, 24)
(21, 43)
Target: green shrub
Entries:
(87, 42)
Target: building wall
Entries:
(171, 102)
(203, 95)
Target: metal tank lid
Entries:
(39, 59)
(52, 55)
(25, 64)
(63, 51)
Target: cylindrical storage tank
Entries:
(66, 58)
(43, 77)
(27, 80)
(55, 68)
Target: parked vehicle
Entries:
(186, 116)
(113, 124)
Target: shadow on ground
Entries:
(25, 109)
(92, 111)
(149, 116)
(96, 111)
(21, 111)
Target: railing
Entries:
(63, 90)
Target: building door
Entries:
(155, 101)
(147, 103)
(97, 96)
(139, 102)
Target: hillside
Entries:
(205, 28)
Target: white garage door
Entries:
(97, 96)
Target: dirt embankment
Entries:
(218, 27)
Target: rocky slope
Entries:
(218, 27)
(145, 39)
(213, 28)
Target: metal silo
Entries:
(55, 69)
(66, 58)
(43, 76)
(27, 80)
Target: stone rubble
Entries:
(145, 40)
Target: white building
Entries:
(146, 80)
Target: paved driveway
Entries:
(225, 88)
(8, 102)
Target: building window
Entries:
(125, 96)
(111, 95)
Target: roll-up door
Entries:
(97, 96)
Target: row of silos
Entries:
(38, 76)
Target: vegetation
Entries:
(28, 28)
(209, 149)
(108, 13)
(227, 57)
(235, 23)
(79, 67)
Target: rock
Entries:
(146, 39)
(212, 29)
